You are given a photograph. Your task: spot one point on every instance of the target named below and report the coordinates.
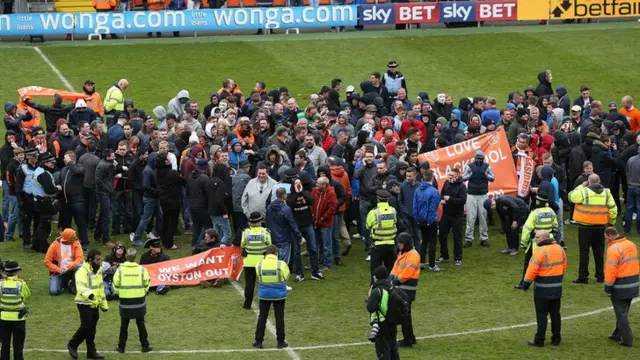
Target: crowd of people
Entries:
(257, 168)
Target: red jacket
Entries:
(338, 174)
(417, 125)
(327, 142)
(325, 205)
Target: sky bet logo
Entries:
(377, 14)
(579, 9)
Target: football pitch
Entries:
(467, 312)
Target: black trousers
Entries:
(87, 331)
(200, 222)
(453, 223)
(240, 223)
(75, 211)
(265, 306)
(591, 237)
(122, 212)
(511, 234)
(41, 236)
(429, 238)
(170, 219)
(544, 308)
(386, 344)
(30, 219)
(383, 255)
(17, 331)
(527, 258)
(249, 285)
(91, 203)
(623, 330)
(124, 332)
(407, 328)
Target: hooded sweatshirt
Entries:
(281, 224)
(175, 106)
(234, 156)
(547, 187)
(63, 253)
(149, 180)
(544, 87)
(218, 194)
(339, 175)
(564, 102)
(14, 123)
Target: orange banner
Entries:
(497, 154)
(213, 264)
(37, 91)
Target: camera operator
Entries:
(383, 331)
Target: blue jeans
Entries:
(5, 201)
(102, 228)
(312, 249)
(186, 211)
(221, 226)
(336, 237)
(150, 208)
(59, 282)
(365, 207)
(284, 252)
(326, 234)
(560, 217)
(108, 288)
(632, 207)
(14, 217)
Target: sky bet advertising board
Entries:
(165, 21)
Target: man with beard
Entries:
(94, 101)
(316, 154)
(62, 143)
(44, 195)
(366, 175)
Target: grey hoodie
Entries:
(175, 107)
(239, 182)
(633, 170)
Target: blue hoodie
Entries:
(425, 203)
(547, 187)
(279, 221)
(236, 157)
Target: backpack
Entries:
(399, 306)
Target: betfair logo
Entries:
(587, 9)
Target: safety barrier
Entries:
(252, 18)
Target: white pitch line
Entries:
(64, 80)
(291, 350)
(270, 326)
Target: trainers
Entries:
(513, 252)
(505, 251)
(289, 288)
(423, 266)
(138, 243)
(120, 350)
(326, 268)
(347, 249)
(467, 244)
(317, 276)
(457, 262)
(132, 236)
(150, 234)
(368, 258)
(356, 236)
(572, 221)
(485, 244)
(282, 344)
(441, 259)
(257, 344)
(435, 269)
(146, 349)
(567, 222)
(304, 253)
(299, 278)
(303, 241)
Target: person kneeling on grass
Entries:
(63, 258)
(211, 241)
(110, 264)
(155, 255)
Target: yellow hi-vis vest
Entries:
(131, 281)
(87, 284)
(13, 294)
(114, 100)
(593, 208)
(255, 241)
(381, 221)
(539, 219)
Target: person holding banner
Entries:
(478, 174)
(131, 283)
(155, 255)
(272, 290)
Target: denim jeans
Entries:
(560, 217)
(136, 203)
(186, 211)
(284, 252)
(336, 237)
(297, 258)
(108, 288)
(59, 282)
(365, 207)
(5, 201)
(326, 234)
(151, 207)
(15, 218)
(221, 226)
(102, 228)
(632, 207)
(312, 249)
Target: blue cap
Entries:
(511, 106)
(613, 105)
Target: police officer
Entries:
(89, 298)
(621, 280)
(595, 208)
(384, 331)
(254, 243)
(381, 222)
(547, 268)
(541, 218)
(44, 195)
(131, 282)
(405, 274)
(24, 193)
(14, 292)
(272, 290)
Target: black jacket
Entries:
(457, 193)
(12, 176)
(72, 182)
(170, 185)
(373, 301)
(52, 113)
(300, 204)
(135, 174)
(123, 161)
(603, 164)
(148, 258)
(512, 208)
(218, 194)
(104, 176)
(198, 190)
(544, 87)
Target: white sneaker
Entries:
(289, 288)
(368, 258)
(317, 276)
(131, 236)
(567, 222)
(303, 241)
(435, 269)
(150, 234)
(299, 278)
(356, 237)
(505, 251)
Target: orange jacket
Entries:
(95, 103)
(338, 173)
(546, 267)
(236, 90)
(104, 4)
(407, 267)
(633, 115)
(622, 270)
(252, 138)
(53, 258)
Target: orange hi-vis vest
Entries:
(407, 270)
(104, 4)
(546, 268)
(622, 269)
(593, 208)
(95, 103)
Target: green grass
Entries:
(476, 296)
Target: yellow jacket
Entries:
(87, 284)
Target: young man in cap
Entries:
(62, 260)
(94, 101)
(25, 185)
(478, 174)
(13, 311)
(393, 80)
(90, 298)
(254, 243)
(155, 255)
(45, 193)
